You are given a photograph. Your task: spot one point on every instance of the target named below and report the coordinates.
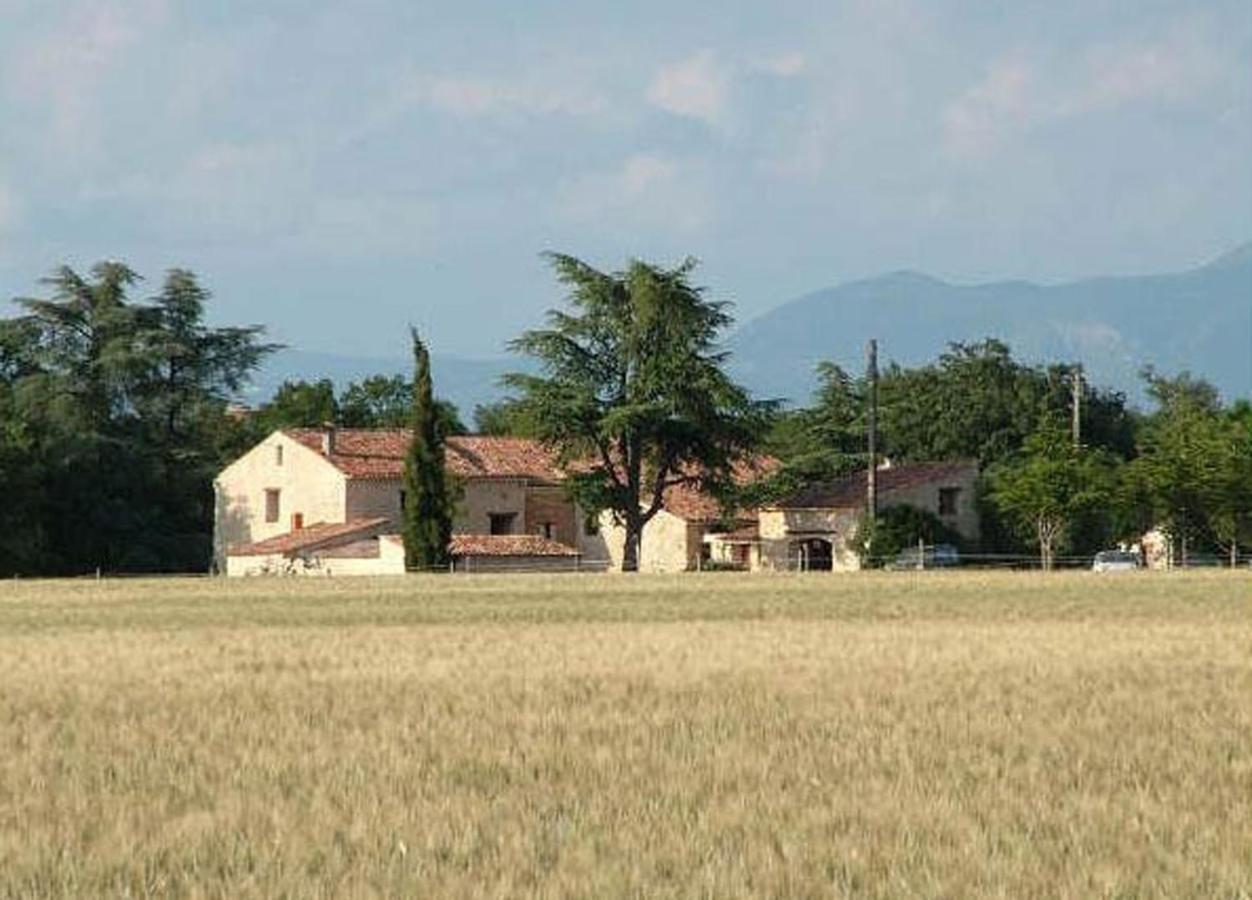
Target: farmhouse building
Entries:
(814, 529)
(331, 500)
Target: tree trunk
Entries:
(630, 546)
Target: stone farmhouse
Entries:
(330, 501)
(813, 530)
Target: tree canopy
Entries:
(633, 392)
(113, 425)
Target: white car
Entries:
(1116, 561)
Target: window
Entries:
(403, 497)
(271, 505)
(501, 523)
(591, 525)
(545, 529)
(947, 500)
(278, 455)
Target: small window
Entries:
(545, 529)
(501, 523)
(278, 454)
(591, 525)
(403, 498)
(947, 500)
(271, 505)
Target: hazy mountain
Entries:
(1199, 320)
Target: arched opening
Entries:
(813, 555)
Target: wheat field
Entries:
(881, 735)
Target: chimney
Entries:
(328, 438)
(297, 521)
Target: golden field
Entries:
(924, 734)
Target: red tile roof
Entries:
(312, 537)
(687, 501)
(849, 492)
(508, 545)
(379, 454)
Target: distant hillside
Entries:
(1199, 320)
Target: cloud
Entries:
(1016, 96)
(478, 97)
(1001, 103)
(645, 190)
(63, 69)
(785, 65)
(1171, 70)
(8, 209)
(697, 87)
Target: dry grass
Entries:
(878, 735)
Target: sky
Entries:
(339, 171)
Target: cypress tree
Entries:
(428, 498)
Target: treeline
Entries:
(112, 423)
(117, 411)
(116, 414)
(1184, 465)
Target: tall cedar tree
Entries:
(428, 498)
(634, 392)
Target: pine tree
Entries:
(428, 497)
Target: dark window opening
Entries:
(271, 505)
(591, 525)
(947, 500)
(501, 523)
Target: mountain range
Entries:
(1199, 320)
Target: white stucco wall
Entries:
(390, 561)
(306, 482)
(668, 543)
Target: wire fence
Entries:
(314, 566)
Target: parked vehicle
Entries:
(1116, 561)
(939, 556)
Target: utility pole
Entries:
(871, 376)
(1076, 405)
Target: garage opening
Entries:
(813, 555)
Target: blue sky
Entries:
(340, 170)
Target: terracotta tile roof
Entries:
(312, 537)
(365, 548)
(379, 454)
(849, 492)
(508, 545)
(687, 501)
